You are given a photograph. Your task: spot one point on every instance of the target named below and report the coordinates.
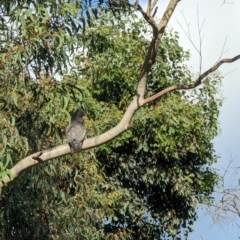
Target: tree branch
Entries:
(158, 31)
(44, 156)
(194, 84)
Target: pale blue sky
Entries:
(221, 22)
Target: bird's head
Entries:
(78, 115)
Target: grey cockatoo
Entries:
(76, 131)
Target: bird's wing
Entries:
(76, 132)
(83, 132)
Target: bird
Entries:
(76, 131)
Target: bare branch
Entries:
(222, 51)
(230, 72)
(188, 35)
(200, 40)
(148, 18)
(155, 11)
(136, 4)
(226, 208)
(225, 2)
(158, 31)
(194, 84)
(151, 6)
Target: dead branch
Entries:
(226, 206)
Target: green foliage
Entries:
(163, 159)
(41, 37)
(146, 183)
